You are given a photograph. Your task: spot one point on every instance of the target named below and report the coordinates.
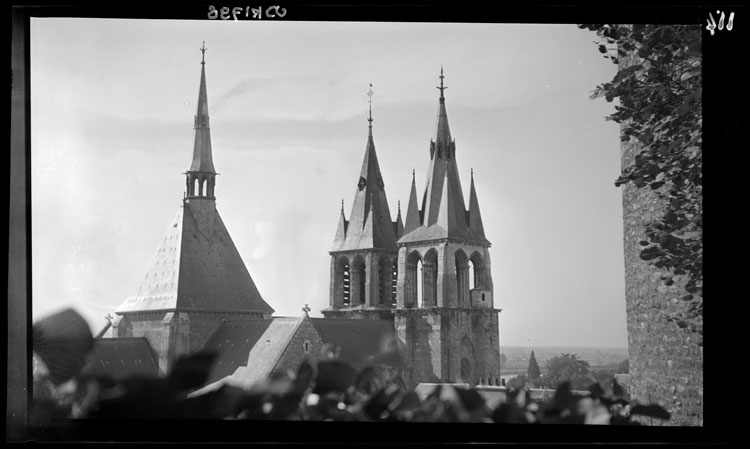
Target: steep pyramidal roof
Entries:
(369, 225)
(443, 213)
(197, 266)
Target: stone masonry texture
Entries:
(666, 361)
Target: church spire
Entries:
(370, 224)
(202, 173)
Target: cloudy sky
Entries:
(112, 105)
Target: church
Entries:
(413, 297)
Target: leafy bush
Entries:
(327, 390)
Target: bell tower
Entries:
(445, 306)
(364, 253)
(197, 277)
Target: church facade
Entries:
(413, 296)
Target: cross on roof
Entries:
(306, 309)
(441, 87)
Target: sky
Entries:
(112, 106)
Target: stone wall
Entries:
(296, 352)
(666, 361)
(438, 339)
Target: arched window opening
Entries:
(412, 280)
(477, 271)
(420, 284)
(394, 282)
(358, 281)
(429, 280)
(200, 187)
(346, 278)
(462, 278)
(384, 281)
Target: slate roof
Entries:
(361, 341)
(443, 213)
(122, 357)
(232, 342)
(248, 351)
(202, 155)
(369, 225)
(197, 265)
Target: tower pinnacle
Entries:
(441, 87)
(201, 176)
(370, 93)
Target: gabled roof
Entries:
(361, 341)
(119, 358)
(232, 342)
(266, 352)
(197, 266)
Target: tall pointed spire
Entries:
(202, 157)
(443, 212)
(201, 176)
(370, 224)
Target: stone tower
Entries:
(197, 278)
(364, 253)
(445, 312)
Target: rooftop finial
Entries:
(413, 175)
(370, 93)
(203, 50)
(472, 173)
(342, 205)
(441, 87)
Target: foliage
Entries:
(659, 87)
(517, 382)
(533, 372)
(623, 367)
(325, 390)
(567, 368)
